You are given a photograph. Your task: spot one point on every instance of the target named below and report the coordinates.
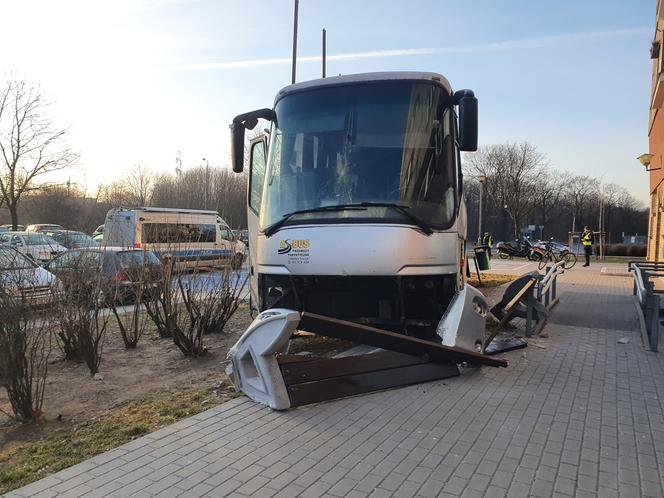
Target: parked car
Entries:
(71, 239)
(37, 246)
(9, 227)
(98, 230)
(20, 274)
(43, 227)
(117, 269)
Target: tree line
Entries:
(214, 188)
(520, 188)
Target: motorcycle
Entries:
(519, 248)
(553, 252)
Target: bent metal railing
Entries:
(648, 297)
(546, 288)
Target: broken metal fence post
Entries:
(530, 302)
(477, 269)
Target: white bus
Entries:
(195, 237)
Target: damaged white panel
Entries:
(254, 368)
(464, 323)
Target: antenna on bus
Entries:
(324, 51)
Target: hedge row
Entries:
(632, 250)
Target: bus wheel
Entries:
(236, 263)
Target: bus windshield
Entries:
(382, 143)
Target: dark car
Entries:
(72, 239)
(117, 269)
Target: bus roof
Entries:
(365, 78)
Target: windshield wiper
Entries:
(403, 210)
(361, 206)
(340, 207)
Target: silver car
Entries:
(23, 277)
(36, 246)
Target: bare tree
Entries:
(512, 171)
(187, 190)
(547, 194)
(30, 145)
(578, 191)
(138, 182)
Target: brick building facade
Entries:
(656, 143)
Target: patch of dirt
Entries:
(316, 345)
(155, 366)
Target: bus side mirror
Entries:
(248, 121)
(467, 103)
(237, 146)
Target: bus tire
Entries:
(236, 262)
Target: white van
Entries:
(195, 237)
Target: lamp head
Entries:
(645, 159)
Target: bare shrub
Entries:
(81, 322)
(171, 311)
(615, 250)
(162, 308)
(142, 290)
(637, 251)
(92, 337)
(217, 301)
(131, 324)
(25, 346)
(191, 304)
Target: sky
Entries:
(139, 81)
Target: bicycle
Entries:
(550, 255)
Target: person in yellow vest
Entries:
(487, 240)
(587, 240)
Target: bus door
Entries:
(257, 166)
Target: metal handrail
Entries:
(551, 274)
(649, 299)
(639, 286)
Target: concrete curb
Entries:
(614, 272)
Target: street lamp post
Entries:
(481, 179)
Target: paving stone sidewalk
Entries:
(577, 415)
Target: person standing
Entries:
(587, 240)
(487, 240)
